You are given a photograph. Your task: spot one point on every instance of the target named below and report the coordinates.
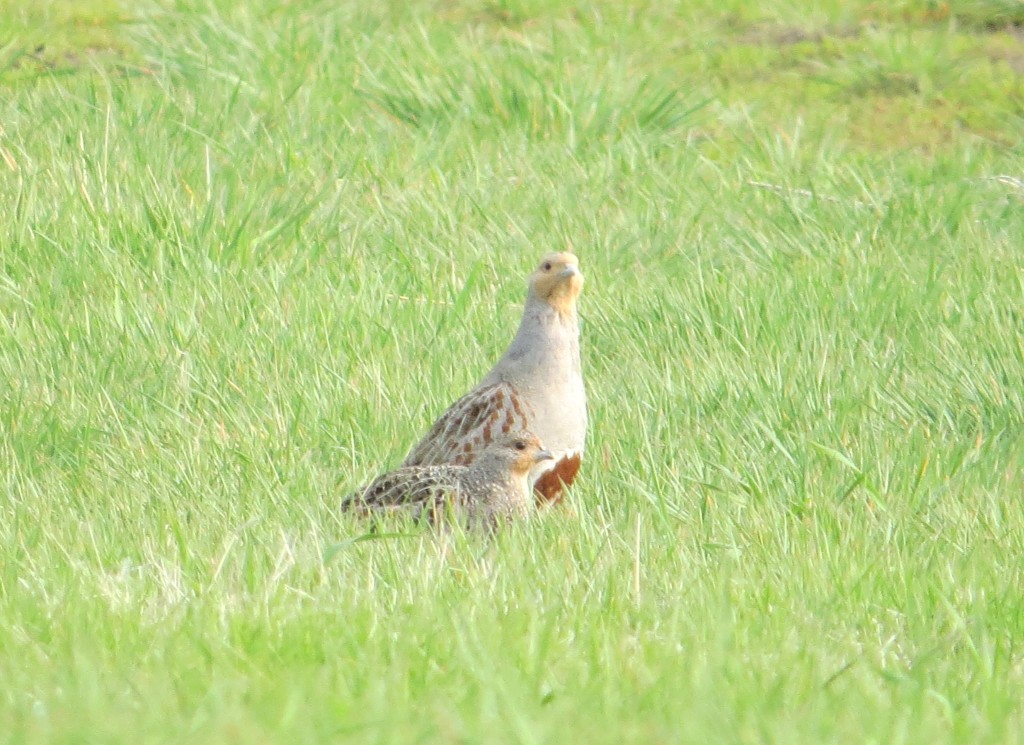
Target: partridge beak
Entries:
(543, 455)
(569, 271)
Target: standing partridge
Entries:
(537, 386)
(495, 488)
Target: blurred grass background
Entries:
(250, 250)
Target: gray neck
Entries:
(492, 467)
(544, 340)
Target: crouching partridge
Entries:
(536, 386)
(495, 488)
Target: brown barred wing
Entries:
(471, 424)
(416, 489)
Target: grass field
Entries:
(250, 249)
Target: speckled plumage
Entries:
(536, 385)
(495, 487)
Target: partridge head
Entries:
(558, 282)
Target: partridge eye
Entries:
(520, 445)
(547, 266)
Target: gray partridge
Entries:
(536, 385)
(494, 488)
